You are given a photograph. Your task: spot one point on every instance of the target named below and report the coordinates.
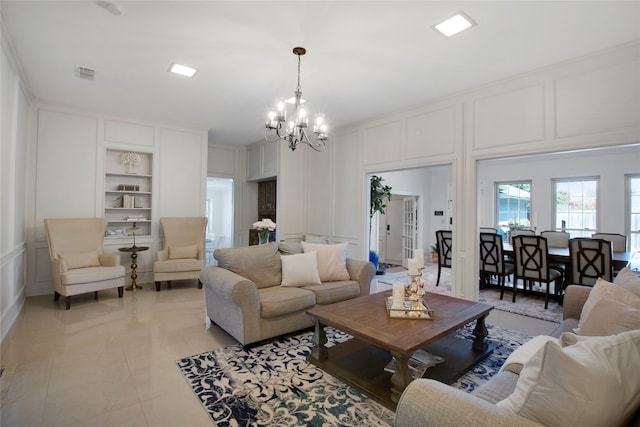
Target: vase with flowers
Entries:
(264, 227)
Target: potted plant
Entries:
(380, 195)
(434, 251)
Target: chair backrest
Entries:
(531, 256)
(619, 241)
(491, 256)
(445, 241)
(74, 235)
(556, 239)
(515, 233)
(589, 259)
(184, 231)
(488, 230)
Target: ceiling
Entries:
(364, 58)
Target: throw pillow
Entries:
(609, 317)
(80, 259)
(258, 263)
(332, 260)
(183, 252)
(300, 270)
(522, 354)
(587, 383)
(627, 279)
(599, 291)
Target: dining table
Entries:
(619, 260)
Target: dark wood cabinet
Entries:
(266, 208)
(267, 199)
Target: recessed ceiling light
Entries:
(455, 24)
(183, 70)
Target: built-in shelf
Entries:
(127, 193)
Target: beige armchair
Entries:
(78, 264)
(184, 249)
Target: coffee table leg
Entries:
(401, 377)
(480, 332)
(319, 351)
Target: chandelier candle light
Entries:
(291, 127)
(264, 227)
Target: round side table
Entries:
(134, 264)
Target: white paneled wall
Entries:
(70, 180)
(14, 134)
(589, 102)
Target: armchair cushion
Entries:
(75, 260)
(332, 260)
(178, 265)
(183, 252)
(79, 276)
(300, 270)
(260, 264)
(587, 382)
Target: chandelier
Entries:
(291, 126)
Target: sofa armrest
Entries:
(230, 286)
(431, 403)
(109, 260)
(232, 302)
(362, 272)
(574, 298)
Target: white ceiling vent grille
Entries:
(85, 73)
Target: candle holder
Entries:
(414, 306)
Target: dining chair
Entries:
(444, 239)
(618, 241)
(556, 239)
(492, 261)
(589, 260)
(531, 254)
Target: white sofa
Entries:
(591, 377)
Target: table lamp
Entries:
(133, 231)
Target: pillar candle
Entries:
(398, 295)
(413, 266)
(418, 254)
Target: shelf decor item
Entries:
(264, 227)
(131, 159)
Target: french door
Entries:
(409, 228)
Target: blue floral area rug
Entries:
(272, 384)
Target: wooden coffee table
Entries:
(360, 362)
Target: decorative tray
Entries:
(423, 312)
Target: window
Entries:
(576, 206)
(633, 212)
(513, 206)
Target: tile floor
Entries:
(112, 361)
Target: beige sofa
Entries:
(245, 295)
(431, 403)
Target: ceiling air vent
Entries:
(85, 73)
